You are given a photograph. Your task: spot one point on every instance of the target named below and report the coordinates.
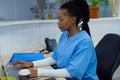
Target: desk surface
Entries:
(8, 57)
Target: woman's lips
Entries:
(59, 26)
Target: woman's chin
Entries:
(60, 29)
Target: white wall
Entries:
(7, 9)
(119, 10)
(21, 35)
(16, 9)
(100, 27)
(16, 37)
(23, 9)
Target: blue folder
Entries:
(26, 57)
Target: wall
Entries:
(23, 9)
(16, 9)
(7, 6)
(119, 10)
(21, 35)
(102, 26)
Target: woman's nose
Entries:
(58, 23)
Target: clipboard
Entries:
(26, 57)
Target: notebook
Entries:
(11, 70)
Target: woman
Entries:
(74, 55)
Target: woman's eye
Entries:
(60, 19)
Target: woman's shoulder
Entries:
(84, 37)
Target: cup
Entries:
(24, 74)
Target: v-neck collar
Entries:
(74, 37)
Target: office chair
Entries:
(108, 55)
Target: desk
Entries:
(8, 57)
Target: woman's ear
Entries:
(73, 20)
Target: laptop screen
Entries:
(3, 64)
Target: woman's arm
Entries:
(48, 72)
(54, 73)
(45, 62)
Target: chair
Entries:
(108, 55)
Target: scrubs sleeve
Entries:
(63, 35)
(79, 62)
(54, 55)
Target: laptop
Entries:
(11, 70)
(7, 68)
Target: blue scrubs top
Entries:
(77, 55)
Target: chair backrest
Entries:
(108, 55)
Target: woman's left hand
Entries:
(33, 73)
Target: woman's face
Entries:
(64, 20)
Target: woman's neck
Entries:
(73, 31)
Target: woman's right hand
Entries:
(23, 64)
